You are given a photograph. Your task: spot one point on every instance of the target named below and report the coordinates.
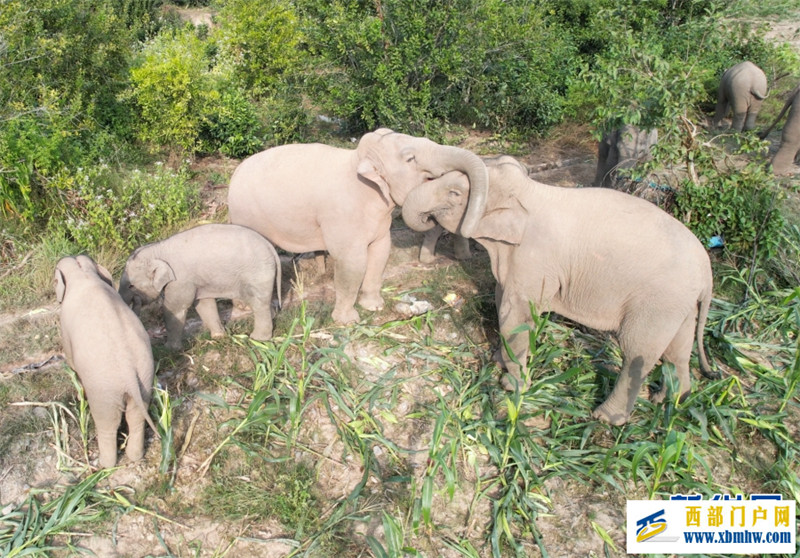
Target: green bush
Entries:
(190, 102)
(490, 63)
(104, 209)
(742, 206)
(260, 41)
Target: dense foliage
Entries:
(88, 88)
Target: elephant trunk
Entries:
(424, 203)
(475, 169)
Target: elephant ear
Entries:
(160, 274)
(369, 171)
(503, 224)
(105, 275)
(60, 285)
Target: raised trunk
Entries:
(475, 169)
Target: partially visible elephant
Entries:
(311, 197)
(622, 148)
(599, 257)
(742, 88)
(783, 160)
(205, 263)
(107, 346)
(427, 251)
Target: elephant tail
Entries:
(135, 398)
(703, 306)
(758, 94)
(278, 273)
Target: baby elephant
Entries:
(203, 264)
(105, 343)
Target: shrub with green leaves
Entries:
(488, 63)
(260, 41)
(741, 205)
(103, 209)
(189, 101)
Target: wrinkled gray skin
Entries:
(742, 88)
(599, 257)
(312, 197)
(107, 346)
(783, 160)
(622, 149)
(203, 264)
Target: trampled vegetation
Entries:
(392, 437)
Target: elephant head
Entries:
(144, 279)
(72, 267)
(445, 201)
(398, 164)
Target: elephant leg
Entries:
(427, 252)
(262, 317)
(512, 312)
(720, 112)
(752, 114)
(134, 447)
(207, 309)
(177, 300)
(739, 116)
(461, 246)
(784, 158)
(377, 258)
(643, 341)
(679, 352)
(106, 416)
(348, 273)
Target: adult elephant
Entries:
(602, 258)
(790, 136)
(314, 197)
(742, 88)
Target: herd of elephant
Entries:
(599, 257)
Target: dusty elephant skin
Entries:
(783, 160)
(599, 257)
(622, 149)
(313, 197)
(742, 89)
(106, 344)
(203, 264)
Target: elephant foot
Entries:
(510, 382)
(217, 334)
(344, 317)
(261, 335)
(173, 345)
(612, 416)
(427, 258)
(371, 303)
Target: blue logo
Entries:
(650, 526)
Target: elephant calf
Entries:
(106, 344)
(205, 263)
(742, 89)
(599, 257)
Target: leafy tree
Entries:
(411, 64)
(259, 40)
(62, 65)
